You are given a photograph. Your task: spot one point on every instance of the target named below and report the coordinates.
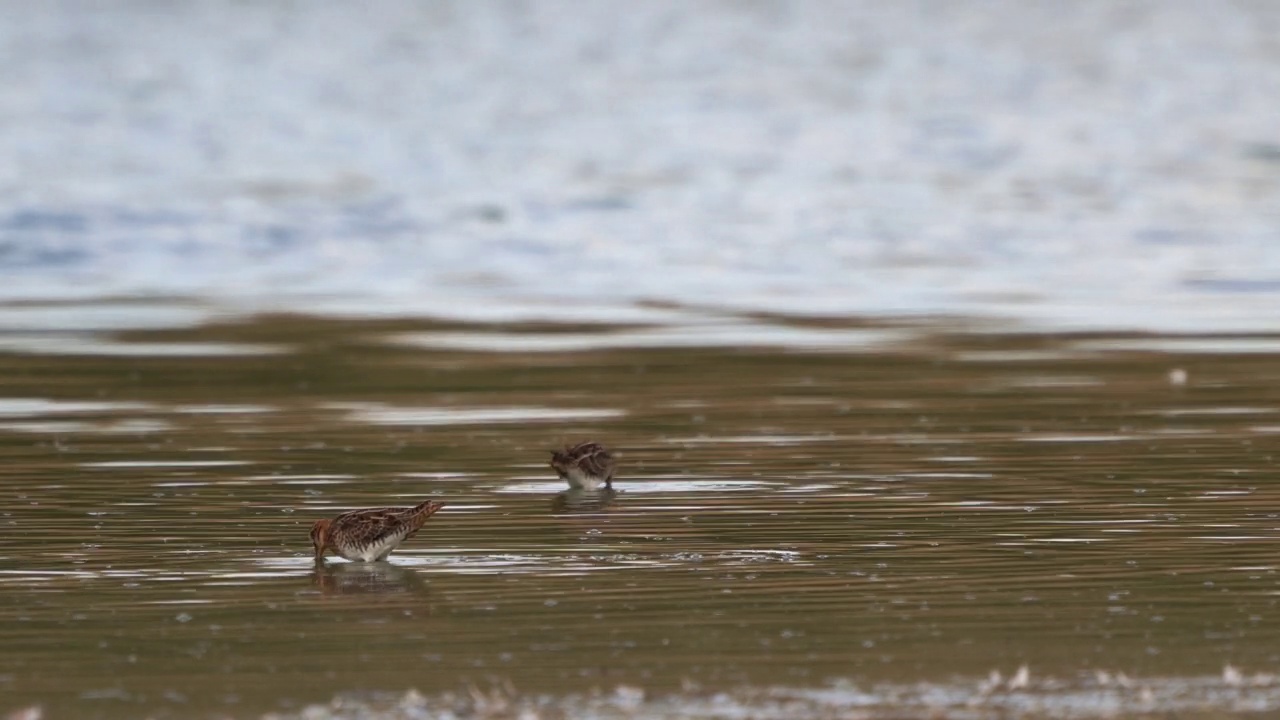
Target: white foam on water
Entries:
(1099, 694)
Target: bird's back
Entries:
(377, 531)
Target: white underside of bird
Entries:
(373, 552)
(579, 480)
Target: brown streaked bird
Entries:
(370, 535)
(586, 466)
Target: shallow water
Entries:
(817, 517)
(866, 520)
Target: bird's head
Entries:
(320, 538)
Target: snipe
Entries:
(370, 535)
(586, 466)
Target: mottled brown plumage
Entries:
(369, 535)
(586, 466)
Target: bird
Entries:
(586, 466)
(370, 535)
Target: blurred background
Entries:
(1086, 165)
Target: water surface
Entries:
(1092, 165)
(876, 525)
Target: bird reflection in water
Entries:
(358, 578)
(578, 500)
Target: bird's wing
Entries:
(364, 527)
